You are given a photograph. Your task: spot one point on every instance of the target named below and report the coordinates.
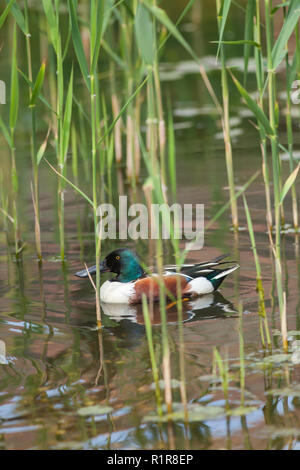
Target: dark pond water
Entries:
(56, 363)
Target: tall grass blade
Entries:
(18, 16)
(77, 42)
(14, 91)
(223, 14)
(289, 183)
(250, 9)
(5, 132)
(5, 12)
(67, 117)
(38, 85)
(144, 32)
(279, 49)
(100, 14)
(254, 107)
(51, 22)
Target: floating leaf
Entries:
(276, 358)
(94, 410)
(195, 413)
(283, 432)
(241, 410)
(174, 384)
(284, 392)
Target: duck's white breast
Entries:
(117, 292)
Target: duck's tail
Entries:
(215, 270)
(217, 276)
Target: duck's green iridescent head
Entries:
(124, 263)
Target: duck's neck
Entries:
(130, 272)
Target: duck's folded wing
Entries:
(189, 269)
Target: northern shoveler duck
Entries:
(131, 281)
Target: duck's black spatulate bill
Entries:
(83, 273)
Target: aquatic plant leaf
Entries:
(144, 32)
(252, 238)
(78, 46)
(242, 410)
(250, 10)
(174, 384)
(51, 21)
(38, 85)
(72, 185)
(238, 43)
(293, 333)
(67, 117)
(289, 183)
(279, 50)
(163, 18)
(40, 96)
(123, 109)
(276, 358)
(113, 55)
(195, 413)
(18, 16)
(283, 432)
(223, 14)
(42, 148)
(94, 410)
(5, 132)
(284, 392)
(14, 90)
(171, 152)
(5, 12)
(100, 14)
(258, 112)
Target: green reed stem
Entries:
(226, 126)
(13, 115)
(242, 355)
(95, 202)
(154, 367)
(290, 141)
(33, 143)
(275, 162)
(260, 78)
(262, 310)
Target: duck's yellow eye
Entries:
(117, 257)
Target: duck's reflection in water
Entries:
(207, 306)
